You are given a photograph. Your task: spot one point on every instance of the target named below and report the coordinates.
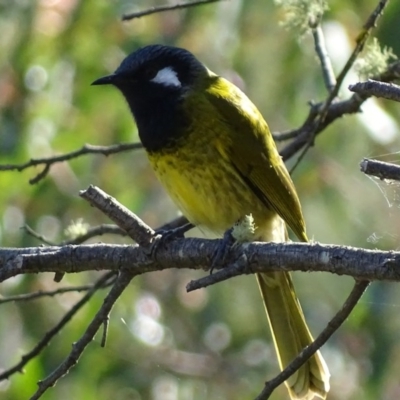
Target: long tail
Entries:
(291, 334)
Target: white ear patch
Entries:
(167, 77)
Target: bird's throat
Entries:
(161, 120)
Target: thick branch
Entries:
(196, 253)
(380, 169)
(385, 90)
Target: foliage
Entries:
(374, 61)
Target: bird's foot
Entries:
(165, 236)
(223, 249)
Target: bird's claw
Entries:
(223, 250)
(165, 236)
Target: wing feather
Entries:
(252, 152)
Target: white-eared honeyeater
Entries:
(213, 151)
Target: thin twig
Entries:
(105, 331)
(86, 149)
(380, 169)
(237, 268)
(101, 283)
(37, 235)
(333, 325)
(99, 230)
(43, 293)
(324, 59)
(388, 91)
(154, 10)
(78, 347)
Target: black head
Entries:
(168, 66)
(154, 80)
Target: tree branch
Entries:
(92, 232)
(380, 169)
(335, 111)
(385, 90)
(78, 347)
(101, 283)
(154, 10)
(44, 293)
(320, 115)
(140, 232)
(194, 253)
(323, 56)
(49, 161)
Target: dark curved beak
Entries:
(105, 80)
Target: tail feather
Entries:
(291, 334)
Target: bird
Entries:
(213, 152)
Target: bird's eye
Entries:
(150, 72)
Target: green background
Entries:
(164, 344)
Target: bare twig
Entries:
(37, 235)
(324, 59)
(333, 325)
(380, 169)
(99, 230)
(373, 18)
(336, 110)
(307, 133)
(237, 268)
(388, 91)
(78, 347)
(124, 218)
(43, 293)
(360, 43)
(86, 149)
(101, 283)
(154, 10)
(105, 331)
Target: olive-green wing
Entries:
(252, 152)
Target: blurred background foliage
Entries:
(165, 344)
